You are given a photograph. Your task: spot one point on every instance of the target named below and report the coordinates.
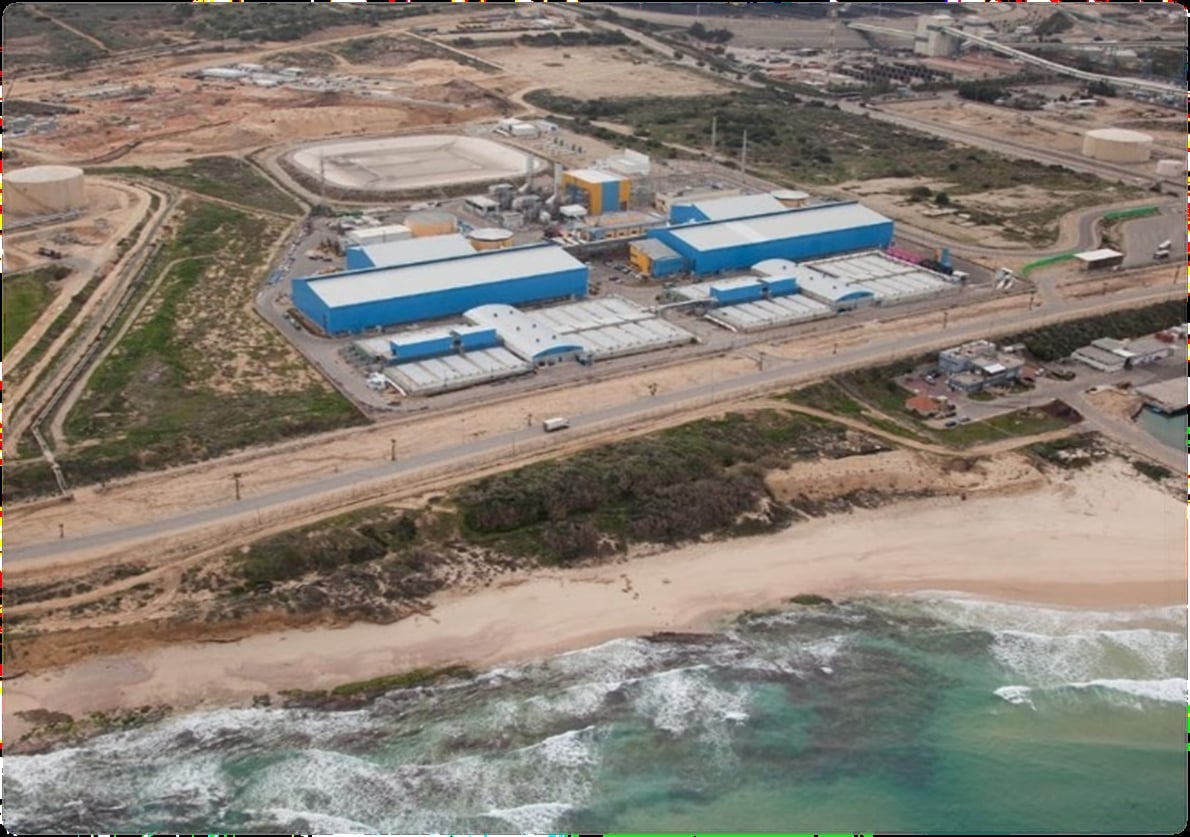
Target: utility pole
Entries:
(236, 476)
(393, 450)
(945, 315)
(61, 531)
(714, 120)
(744, 154)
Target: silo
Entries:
(43, 190)
(431, 222)
(1116, 145)
(490, 238)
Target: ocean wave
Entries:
(968, 611)
(1168, 690)
(679, 699)
(1018, 695)
(534, 818)
(1135, 653)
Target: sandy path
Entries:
(1103, 538)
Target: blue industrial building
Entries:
(798, 234)
(748, 289)
(357, 300)
(443, 341)
(724, 209)
(408, 251)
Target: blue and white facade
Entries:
(796, 234)
(357, 300)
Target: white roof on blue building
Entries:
(791, 223)
(522, 333)
(416, 250)
(373, 284)
(594, 176)
(740, 206)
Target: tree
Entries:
(942, 199)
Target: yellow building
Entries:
(600, 191)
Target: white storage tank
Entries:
(1116, 145)
(43, 190)
(490, 238)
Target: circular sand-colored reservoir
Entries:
(415, 162)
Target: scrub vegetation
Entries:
(226, 178)
(704, 479)
(197, 375)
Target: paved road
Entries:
(779, 373)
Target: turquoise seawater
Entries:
(932, 713)
(1168, 429)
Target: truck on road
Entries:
(557, 423)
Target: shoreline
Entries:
(1067, 544)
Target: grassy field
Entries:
(226, 178)
(811, 144)
(56, 329)
(1012, 425)
(26, 297)
(197, 374)
(832, 398)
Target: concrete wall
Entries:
(566, 284)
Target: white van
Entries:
(552, 424)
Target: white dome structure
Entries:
(1116, 145)
(43, 190)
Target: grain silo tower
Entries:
(43, 190)
(431, 222)
(490, 238)
(1116, 145)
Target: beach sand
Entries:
(1104, 538)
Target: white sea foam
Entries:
(969, 611)
(1018, 695)
(1169, 690)
(1085, 656)
(310, 822)
(535, 818)
(678, 699)
(315, 779)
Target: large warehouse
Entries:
(357, 300)
(797, 234)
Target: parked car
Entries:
(952, 422)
